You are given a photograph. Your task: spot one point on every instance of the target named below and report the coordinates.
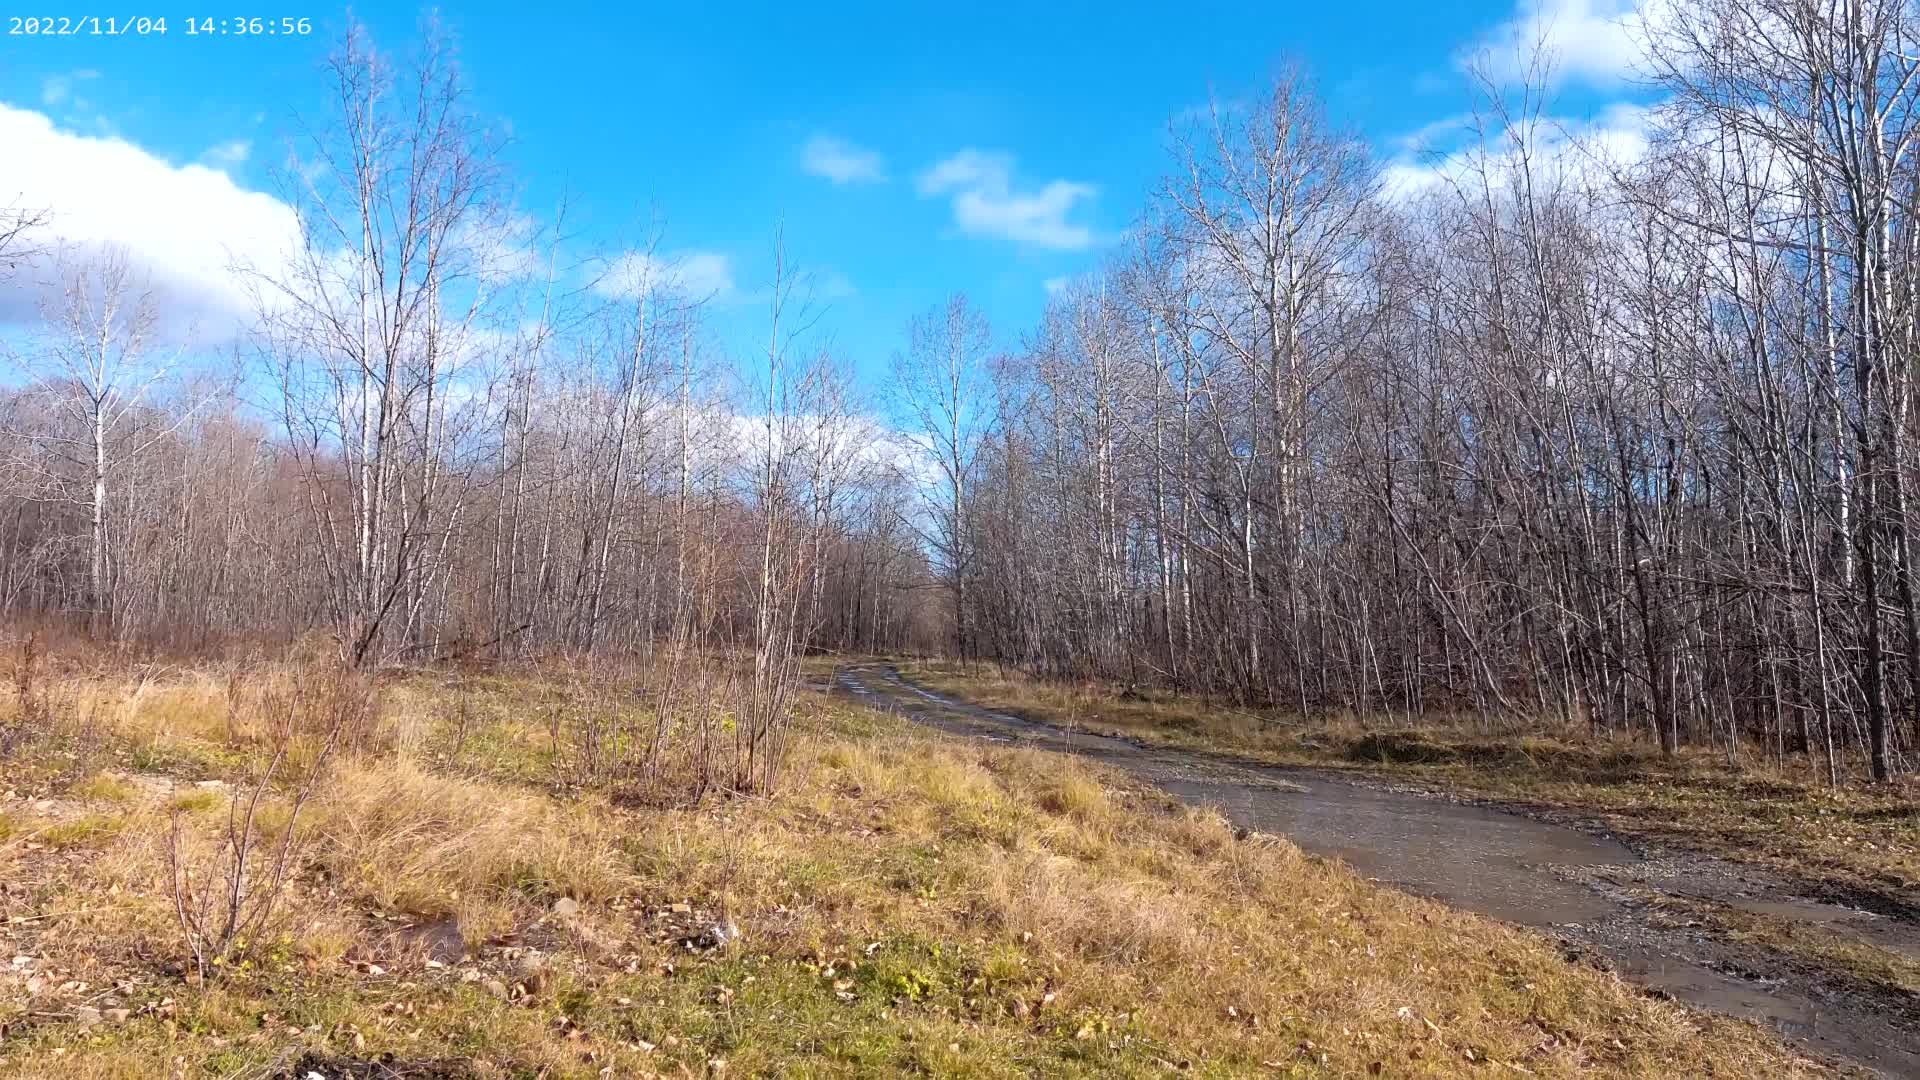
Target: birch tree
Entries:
(366, 326)
(98, 370)
(940, 392)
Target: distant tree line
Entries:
(1628, 438)
(1557, 430)
(430, 446)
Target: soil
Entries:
(386, 1067)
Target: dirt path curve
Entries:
(1589, 890)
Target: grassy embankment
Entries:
(1858, 836)
(904, 903)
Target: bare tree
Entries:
(940, 391)
(98, 372)
(20, 227)
(371, 330)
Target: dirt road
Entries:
(1595, 894)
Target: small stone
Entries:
(532, 970)
(566, 907)
(496, 988)
(118, 1016)
(86, 1015)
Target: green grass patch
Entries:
(105, 787)
(88, 831)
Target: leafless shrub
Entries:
(224, 900)
(342, 706)
(627, 737)
(314, 699)
(588, 731)
(236, 686)
(688, 724)
(462, 720)
(761, 698)
(31, 710)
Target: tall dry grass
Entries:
(396, 835)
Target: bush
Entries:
(1400, 748)
(225, 894)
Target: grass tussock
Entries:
(93, 830)
(403, 838)
(903, 904)
(105, 787)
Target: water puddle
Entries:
(1865, 925)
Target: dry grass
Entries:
(396, 836)
(906, 904)
(1778, 814)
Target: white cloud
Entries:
(967, 168)
(694, 274)
(844, 445)
(1428, 137)
(709, 276)
(1596, 41)
(1622, 131)
(985, 202)
(1056, 285)
(182, 227)
(228, 154)
(1618, 134)
(1405, 179)
(841, 161)
(57, 89)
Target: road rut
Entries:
(1592, 892)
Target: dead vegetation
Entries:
(456, 903)
(225, 898)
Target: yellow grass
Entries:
(905, 904)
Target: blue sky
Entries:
(908, 151)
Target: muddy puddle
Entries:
(1586, 890)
